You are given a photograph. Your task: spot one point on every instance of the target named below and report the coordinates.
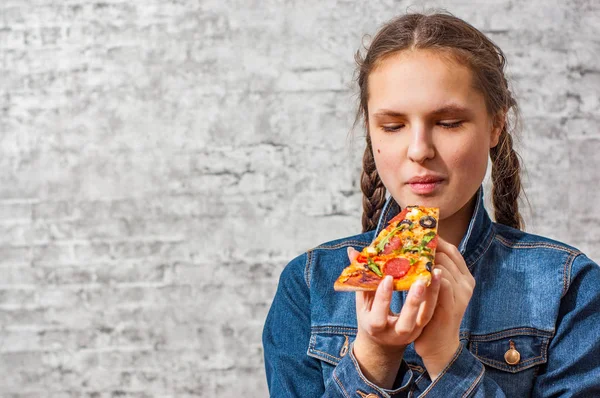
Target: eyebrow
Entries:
(446, 109)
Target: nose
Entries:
(421, 145)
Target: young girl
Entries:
(508, 314)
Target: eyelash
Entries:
(449, 126)
(452, 125)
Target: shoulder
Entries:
(537, 253)
(327, 259)
(517, 239)
(359, 240)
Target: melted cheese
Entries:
(371, 250)
(409, 237)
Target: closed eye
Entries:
(391, 128)
(447, 125)
(451, 125)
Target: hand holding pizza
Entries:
(439, 341)
(382, 336)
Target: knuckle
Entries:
(454, 250)
(369, 329)
(376, 326)
(403, 329)
(471, 283)
(385, 301)
(414, 301)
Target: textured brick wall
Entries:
(161, 161)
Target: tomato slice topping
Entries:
(433, 243)
(392, 245)
(400, 216)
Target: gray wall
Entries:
(161, 161)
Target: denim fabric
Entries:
(538, 295)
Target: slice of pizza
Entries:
(405, 249)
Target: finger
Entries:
(462, 288)
(352, 253)
(454, 254)
(465, 280)
(443, 263)
(448, 263)
(446, 298)
(410, 310)
(431, 297)
(364, 301)
(448, 278)
(380, 308)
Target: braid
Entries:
(373, 190)
(506, 178)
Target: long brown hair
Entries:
(451, 35)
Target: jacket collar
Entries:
(475, 241)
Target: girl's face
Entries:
(430, 130)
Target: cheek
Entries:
(387, 164)
(471, 161)
(385, 158)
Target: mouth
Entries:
(424, 185)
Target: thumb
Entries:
(352, 253)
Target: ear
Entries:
(498, 123)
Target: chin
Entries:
(421, 200)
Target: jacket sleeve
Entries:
(286, 334)
(573, 367)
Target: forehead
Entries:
(421, 80)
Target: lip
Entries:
(425, 179)
(423, 185)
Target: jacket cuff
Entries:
(352, 382)
(460, 377)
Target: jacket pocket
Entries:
(512, 350)
(330, 343)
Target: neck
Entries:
(453, 228)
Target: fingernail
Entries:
(349, 251)
(437, 273)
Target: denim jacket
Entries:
(532, 327)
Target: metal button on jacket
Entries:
(512, 356)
